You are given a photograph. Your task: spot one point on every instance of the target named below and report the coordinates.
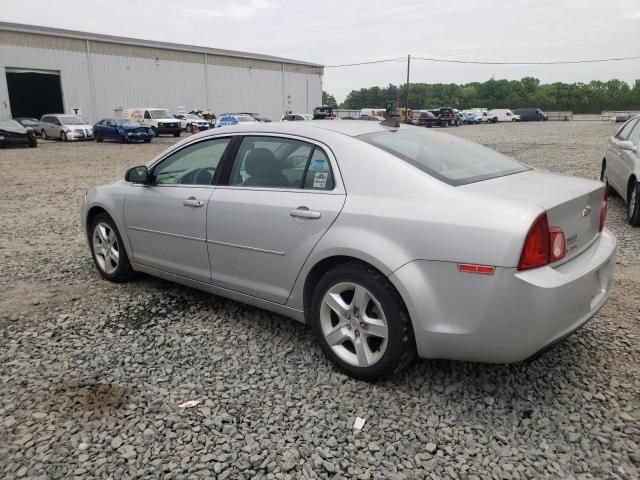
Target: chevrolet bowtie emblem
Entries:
(586, 211)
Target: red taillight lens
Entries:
(535, 252)
(558, 244)
(603, 210)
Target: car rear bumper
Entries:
(508, 316)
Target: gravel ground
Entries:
(93, 372)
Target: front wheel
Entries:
(633, 205)
(189, 128)
(63, 137)
(361, 322)
(176, 134)
(107, 250)
(154, 130)
(44, 134)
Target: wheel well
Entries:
(632, 180)
(91, 214)
(323, 266)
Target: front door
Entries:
(281, 197)
(166, 221)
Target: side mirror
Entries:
(627, 145)
(137, 175)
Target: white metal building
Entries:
(47, 70)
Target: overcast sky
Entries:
(334, 32)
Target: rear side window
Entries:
(274, 162)
(634, 136)
(453, 160)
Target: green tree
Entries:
(329, 100)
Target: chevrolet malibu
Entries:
(391, 241)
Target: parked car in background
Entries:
(620, 169)
(27, 122)
(382, 258)
(531, 114)
(159, 120)
(468, 118)
(227, 119)
(503, 115)
(258, 117)
(121, 130)
(482, 116)
(375, 118)
(428, 119)
(448, 114)
(65, 127)
(292, 117)
(13, 133)
(189, 120)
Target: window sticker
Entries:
(319, 164)
(320, 180)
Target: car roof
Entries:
(351, 129)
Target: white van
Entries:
(504, 115)
(482, 115)
(159, 120)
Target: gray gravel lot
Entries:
(92, 372)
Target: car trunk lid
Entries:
(571, 203)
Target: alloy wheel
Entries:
(354, 324)
(105, 248)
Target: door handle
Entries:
(192, 202)
(304, 212)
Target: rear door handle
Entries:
(304, 212)
(192, 202)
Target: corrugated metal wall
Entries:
(101, 77)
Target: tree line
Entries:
(592, 97)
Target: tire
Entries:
(604, 179)
(189, 128)
(44, 135)
(33, 142)
(99, 139)
(513, 120)
(104, 232)
(147, 140)
(633, 204)
(63, 137)
(122, 139)
(176, 134)
(155, 132)
(384, 307)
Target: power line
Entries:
(367, 63)
(562, 62)
(481, 62)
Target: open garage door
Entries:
(32, 93)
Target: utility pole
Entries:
(406, 100)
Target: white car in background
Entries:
(621, 167)
(292, 117)
(189, 120)
(482, 116)
(504, 115)
(65, 127)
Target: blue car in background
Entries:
(122, 130)
(469, 118)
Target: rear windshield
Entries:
(453, 160)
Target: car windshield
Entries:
(192, 117)
(160, 113)
(127, 122)
(453, 160)
(71, 120)
(10, 124)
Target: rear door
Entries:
(281, 195)
(629, 159)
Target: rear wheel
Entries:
(633, 204)
(361, 322)
(107, 250)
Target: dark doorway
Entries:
(33, 93)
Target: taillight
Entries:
(603, 210)
(535, 252)
(543, 245)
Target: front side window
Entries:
(624, 132)
(195, 164)
(274, 162)
(453, 160)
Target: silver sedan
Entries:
(621, 167)
(391, 241)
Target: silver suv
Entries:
(65, 127)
